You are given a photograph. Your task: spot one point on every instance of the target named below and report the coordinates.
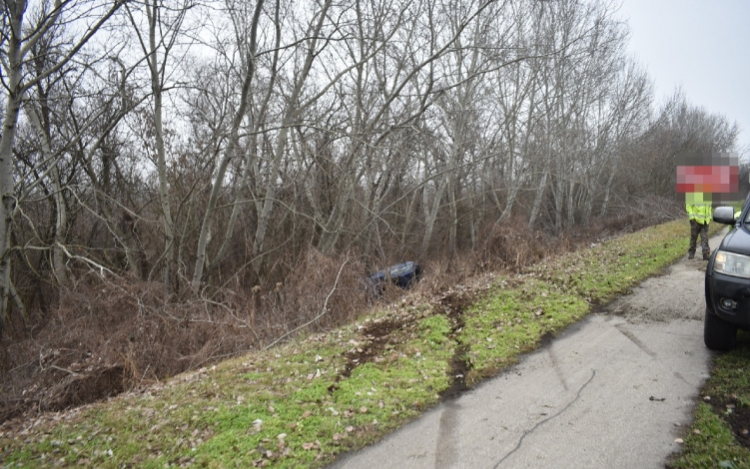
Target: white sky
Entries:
(702, 46)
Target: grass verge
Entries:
(720, 434)
(301, 404)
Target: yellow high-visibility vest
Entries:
(699, 212)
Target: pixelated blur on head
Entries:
(708, 178)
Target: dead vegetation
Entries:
(110, 334)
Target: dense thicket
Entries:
(236, 163)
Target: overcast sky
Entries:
(702, 46)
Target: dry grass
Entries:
(112, 334)
(107, 335)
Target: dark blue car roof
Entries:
(396, 270)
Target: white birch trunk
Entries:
(61, 216)
(7, 186)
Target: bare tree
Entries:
(18, 40)
(248, 75)
(164, 24)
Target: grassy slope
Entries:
(302, 403)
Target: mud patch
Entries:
(453, 304)
(459, 369)
(546, 339)
(84, 388)
(60, 389)
(675, 294)
(375, 337)
(378, 336)
(736, 416)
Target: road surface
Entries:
(614, 391)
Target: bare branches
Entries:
(323, 311)
(203, 154)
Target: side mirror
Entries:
(725, 215)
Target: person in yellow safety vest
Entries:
(698, 208)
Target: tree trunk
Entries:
(161, 162)
(431, 212)
(229, 151)
(571, 189)
(290, 115)
(538, 197)
(61, 215)
(607, 190)
(10, 120)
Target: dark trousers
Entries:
(695, 229)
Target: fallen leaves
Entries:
(281, 443)
(311, 445)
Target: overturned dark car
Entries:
(403, 275)
(728, 281)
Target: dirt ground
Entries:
(668, 297)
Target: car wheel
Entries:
(717, 333)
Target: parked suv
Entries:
(728, 281)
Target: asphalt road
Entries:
(613, 391)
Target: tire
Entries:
(718, 334)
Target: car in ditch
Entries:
(403, 275)
(728, 281)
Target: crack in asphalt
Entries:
(541, 422)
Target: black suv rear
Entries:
(728, 282)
